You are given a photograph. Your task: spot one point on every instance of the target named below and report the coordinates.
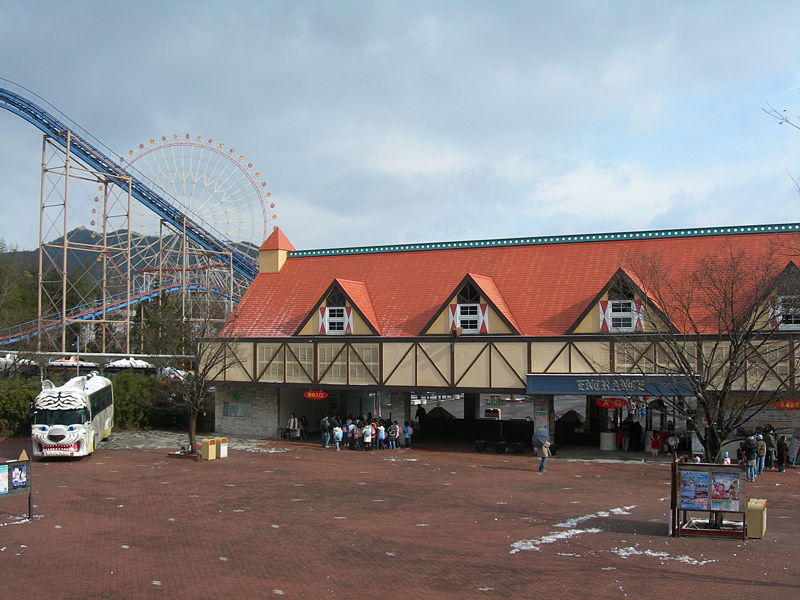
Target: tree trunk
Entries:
(193, 431)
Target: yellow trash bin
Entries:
(222, 447)
(756, 518)
(208, 449)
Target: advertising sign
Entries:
(3, 479)
(611, 402)
(693, 490)
(724, 491)
(315, 395)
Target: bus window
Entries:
(75, 416)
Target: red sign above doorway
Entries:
(611, 402)
(787, 404)
(315, 395)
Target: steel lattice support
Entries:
(77, 264)
(91, 279)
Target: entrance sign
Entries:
(611, 402)
(787, 404)
(605, 384)
(315, 395)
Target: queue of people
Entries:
(366, 433)
(761, 451)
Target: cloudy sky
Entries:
(411, 121)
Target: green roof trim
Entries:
(555, 239)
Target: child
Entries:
(367, 436)
(408, 431)
(337, 436)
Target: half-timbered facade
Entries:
(468, 318)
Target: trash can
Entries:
(756, 518)
(222, 447)
(608, 440)
(208, 449)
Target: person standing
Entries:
(408, 431)
(325, 428)
(337, 436)
(761, 454)
(544, 454)
(769, 440)
(381, 436)
(782, 452)
(750, 455)
(655, 442)
(366, 433)
(293, 426)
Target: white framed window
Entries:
(468, 318)
(336, 320)
(789, 312)
(623, 315)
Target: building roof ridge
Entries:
(678, 232)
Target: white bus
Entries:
(70, 420)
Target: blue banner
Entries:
(610, 385)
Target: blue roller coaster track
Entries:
(89, 312)
(24, 103)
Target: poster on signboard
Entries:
(19, 476)
(694, 490)
(725, 491)
(3, 479)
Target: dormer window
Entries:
(468, 314)
(621, 313)
(335, 318)
(467, 318)
(788, 308)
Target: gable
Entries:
(492, 313)
(359, 314)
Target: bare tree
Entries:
(189, 375)
(716, 323)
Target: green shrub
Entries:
(16, 396)
(134, 397)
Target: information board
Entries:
(15, 477)
(708, 487)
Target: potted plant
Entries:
(480, 445)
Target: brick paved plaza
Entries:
(299, 521)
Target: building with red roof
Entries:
(473, 319)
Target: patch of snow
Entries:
(260, 450)
(631, 551)
(549, 539)
(570, 523)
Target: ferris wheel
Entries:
(209, 182)
(213, 185)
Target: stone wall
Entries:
(256, 409)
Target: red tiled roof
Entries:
(359, 296)
(489, 289)
(277, 240)
(544, 287)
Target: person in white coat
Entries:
(544, 454)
